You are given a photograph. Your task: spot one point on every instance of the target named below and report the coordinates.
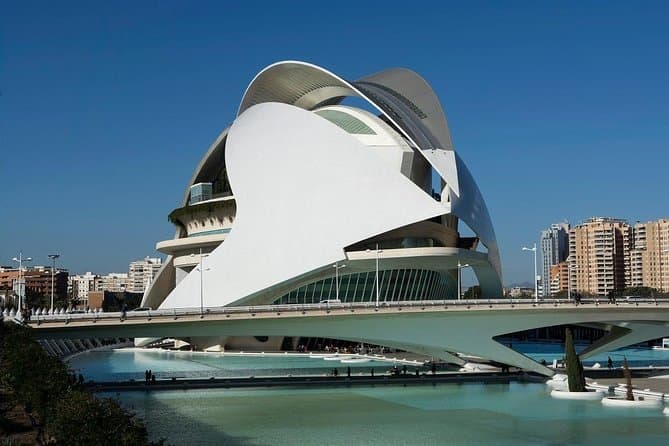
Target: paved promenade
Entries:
(314, 381)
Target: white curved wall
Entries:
(305, 189)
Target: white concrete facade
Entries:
(313, 183)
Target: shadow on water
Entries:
(476, 414)
(172, 422)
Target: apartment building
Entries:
(599, 255)
(554, 249)
(81, 285)
(649, 260)
(114, 282)
(636, 255)
(142, 272)
(559, 279)
(33, 281)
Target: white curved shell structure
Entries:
(301, 189)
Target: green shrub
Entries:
(47, 389)
(79, 418)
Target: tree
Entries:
(474, 292)
(47, 390)
(80, 418)
(575, 375)
(560, 295)
(643, 291)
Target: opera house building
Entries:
(324, 189)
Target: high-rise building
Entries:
(554, 249)
(649, 260)
(599, 256)
(636, 255)
(142, 272)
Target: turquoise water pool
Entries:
(447, 414)
(126, 364)
(636, 356)
(443, 414)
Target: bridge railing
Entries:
(252, 310)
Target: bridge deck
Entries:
(309, 310)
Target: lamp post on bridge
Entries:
(536, 287)
(378, 251)
(460, 278)
(53, 258)
(569, 278)
(337, 268)
(201, 269)
(21, 281)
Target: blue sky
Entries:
(560, 109)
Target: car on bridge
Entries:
(632, 299)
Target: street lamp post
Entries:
(201, 269)
(22, 287)
(53, 258)
(378, 251)
(377, 274)
(569, 278)
(460, 278)
(662, 251)
(536, 288)
(337, 268)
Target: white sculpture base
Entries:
(638, 404)
(582, 396)
(558, 382)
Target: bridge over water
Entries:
(436, 328)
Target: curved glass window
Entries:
(347, 122)
(394, 285)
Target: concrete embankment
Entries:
(617, 373)
(312, 381)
